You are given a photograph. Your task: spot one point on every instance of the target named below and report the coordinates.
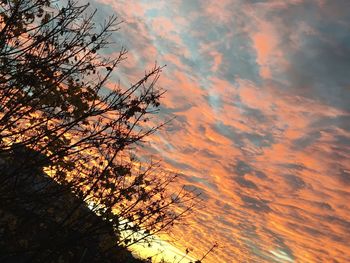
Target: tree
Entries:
(58, 116)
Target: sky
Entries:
(261, 95)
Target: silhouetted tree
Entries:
(58, 116)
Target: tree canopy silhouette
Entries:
(59, 118)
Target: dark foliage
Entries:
(58, 118)
(30, 223)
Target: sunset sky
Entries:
(261, 94)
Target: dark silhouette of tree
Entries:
(58, 118)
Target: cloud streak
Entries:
(260, 92)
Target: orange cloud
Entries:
(272, 163)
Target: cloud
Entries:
(260, 95)
(294, 181)
(258, 205)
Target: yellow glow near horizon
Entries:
(161, 250)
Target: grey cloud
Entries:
(318, 233)
(321, 71)
(294, 181)
(319, 68)
(209, 154)
(177, 124)
(343, 223)
(260, 174)
(342, 122)
(260, 141)
(245, 182)
(322, 205)
(195, 179)
(257, 114)
(190, 6)
(242, 168)
(293, 166)
(214, 101)
(248, 229)
(343, 140)
(179, 165)
(239, 60)
(257, 205)
(238, 137)
(307, 140)
(225, 206)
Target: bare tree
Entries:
(57, 116)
